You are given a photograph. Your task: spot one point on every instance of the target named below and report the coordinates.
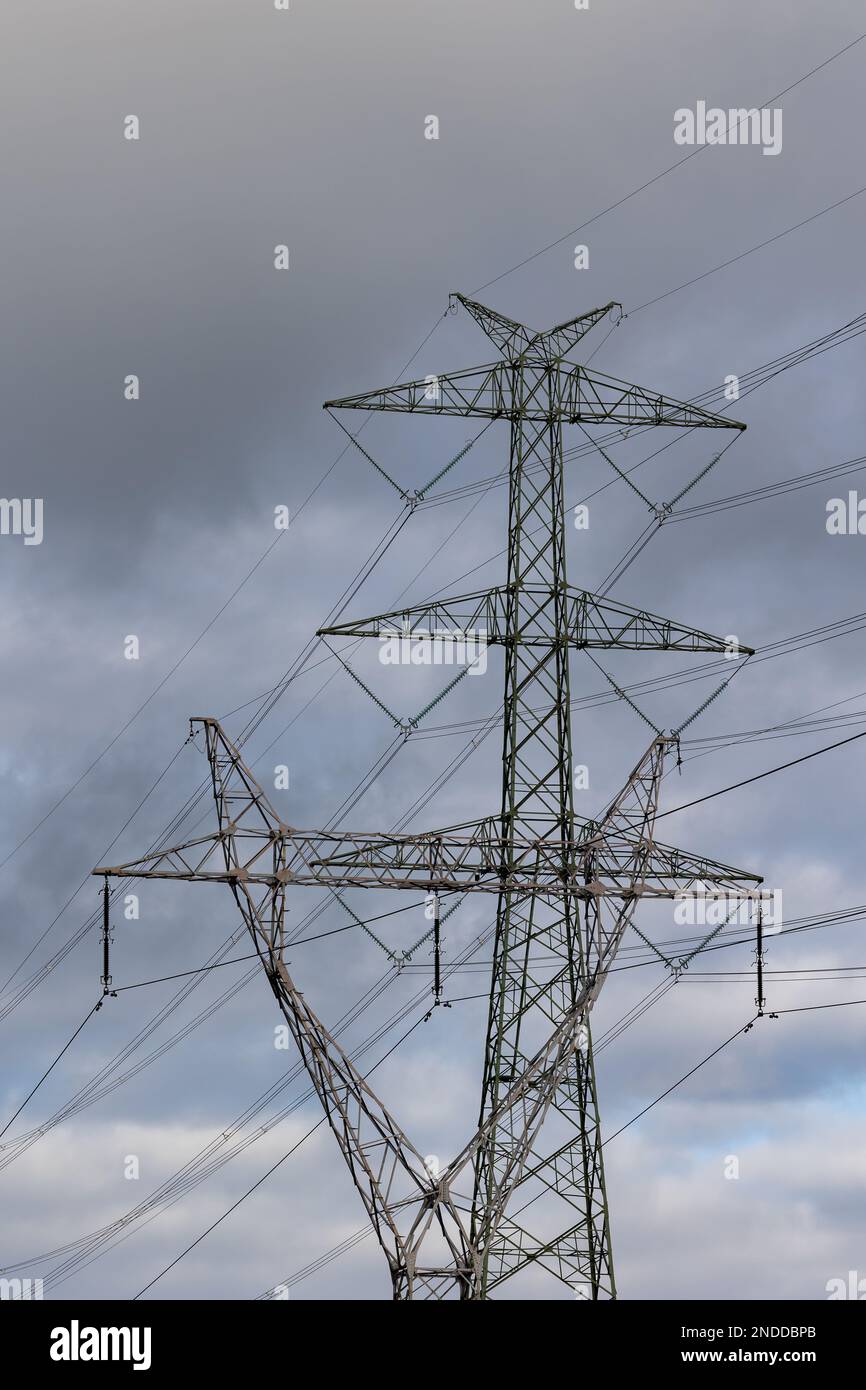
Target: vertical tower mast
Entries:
(537, 800)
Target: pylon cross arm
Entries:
(254, 848)
(535, 390)
(486, 618)
(510, 337)
(433, 861)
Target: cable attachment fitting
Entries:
(676, 739)
(679, 968)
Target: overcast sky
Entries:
(154, 257)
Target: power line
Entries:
(193, 1172)
(271, 1170)
(50, 1069)
(801, 79)
(276, 691)
(809, 1008)
(663, 173)
(804, 758)
(232, 1208)
(257, 564)
(732, 260)
(357, 1236)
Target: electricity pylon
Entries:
(566, 892)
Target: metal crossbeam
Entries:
(534, 392)
(588, 621)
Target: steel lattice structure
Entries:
(565, 891)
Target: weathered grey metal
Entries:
(409, 1208)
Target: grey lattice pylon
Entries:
(422, 1219)
(407, 1205)
(565, 892)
